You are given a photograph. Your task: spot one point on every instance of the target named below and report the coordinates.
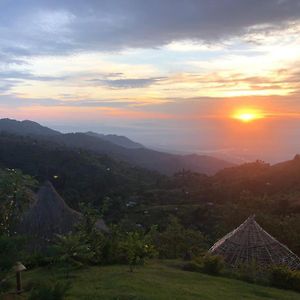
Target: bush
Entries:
(192, 266)
(11, 250)
(296, 281)
(283, 277)
(136, 248)
(250, 272)
(212, 264)
(178, 242)
(42, 258)
(5, 285)
(57, 291)
(72, 250)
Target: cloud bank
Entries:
(35, 27)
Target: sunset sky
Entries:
(174, 74)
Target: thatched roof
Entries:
(50, 215)
(249, 242)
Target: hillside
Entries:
(25, 128)
(157, 281)
(111, 145)
(117, 139)
(78, 175)
(260, 177)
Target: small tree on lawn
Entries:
(136, 248)
(71, 252)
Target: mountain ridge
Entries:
(162, 162)
(25, 127)
(116, 139)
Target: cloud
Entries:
(15, 101)
(6, 85)
(128, 83)
(55, 27)
(13, 74)
(12, 78)
(8, 57)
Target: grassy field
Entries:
(157, 280)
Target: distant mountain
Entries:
(25, 128)
(162, 162)
(117, 139)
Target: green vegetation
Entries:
(14, 198)
(207, 263)
(178, 242)
(149, 215)
(131, 197)
(136, 247)
(157, 280)
(48, 291)
(284, 278)
(213, 264)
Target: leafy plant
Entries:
(192, 266)
(72, 250)
(178, 242)
(251, 272)
(11, 250)
(212, 264)
(90, 235)
(283, 277)
(14, 198)
(46, 291)
(136, 248)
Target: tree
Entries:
(72, 250)
(178, 242)
(136, 247)
(89, 233)
(14, 198)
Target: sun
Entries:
(247, 115)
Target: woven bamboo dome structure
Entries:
(251, 243)
(50, 215)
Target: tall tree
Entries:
(15, 197)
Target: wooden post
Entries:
(18, 268)
(19, 282)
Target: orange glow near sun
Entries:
(248, 115)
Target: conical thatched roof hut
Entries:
(249, 242)
(50, 215)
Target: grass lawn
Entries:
(157, 280)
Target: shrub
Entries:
(11, 249)
(192, 266)
(212, 264)
(57, 291)
(14, 198)
(251, 272)
(72, 250)
(296, 281)
(283, 277)
(136, 248)
(5, 285)
(42, 258)
(178, 242)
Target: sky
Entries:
(172, 74)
